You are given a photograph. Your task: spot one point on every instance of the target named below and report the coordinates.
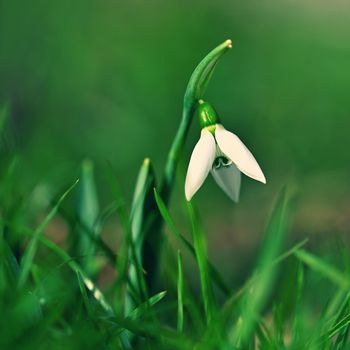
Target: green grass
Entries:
(49, 301)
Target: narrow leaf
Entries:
(31, 250)
(141, 309)
(87, 209)
(319, 265)
(180, 292)
(201, 255)
(255, 299)
(171, 224)
(227, 309)
(84, 294)
(75, 267)
(141, 249)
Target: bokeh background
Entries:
(105, 80)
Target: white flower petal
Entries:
(235, 150)
(229, 179)
(201, 161)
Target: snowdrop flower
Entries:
(222, 153)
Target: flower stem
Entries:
(195, 90)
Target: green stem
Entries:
(200, 247)
(194, 92)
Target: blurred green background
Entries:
(105, 80)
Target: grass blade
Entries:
(123, 261)
(9, 268)
(255, 299)
(29, 254)
(319, 265)
(201, 255)
(342, 327)
(73, 221)
(140, 310)
(87, 212)
(180, 293)
(143, 245)
(232, 301)
(84, 294)
(170, 222)
(76, 268)
(297, 324)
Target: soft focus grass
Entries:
(53, 299)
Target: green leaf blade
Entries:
(29, 254)
(180, 293)
(87, 208)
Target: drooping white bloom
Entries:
(224, 155)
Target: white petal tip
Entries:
(261, 179)
(188, 196)
(235, 150)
